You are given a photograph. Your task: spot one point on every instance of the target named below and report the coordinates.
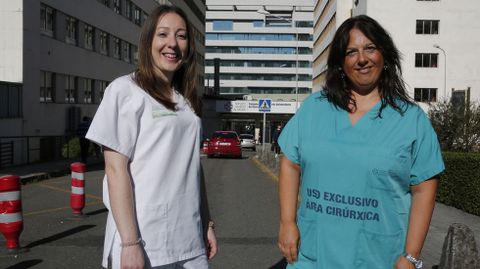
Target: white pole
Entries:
(263, 135)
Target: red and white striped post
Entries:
(77, 197)
(11, 219)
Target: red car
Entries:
(223, 143)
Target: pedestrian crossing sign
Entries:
(264, 105)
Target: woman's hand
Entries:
(403, 263)
(288, 240)
(211, 243)
(132, 257)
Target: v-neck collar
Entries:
(362, 124)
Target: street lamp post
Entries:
(444, 70)
(267, 13)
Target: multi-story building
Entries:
(263, 49)
(57, 58)
(437, 39)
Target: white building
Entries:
(258, 54)
(438, 39)
(57, 58)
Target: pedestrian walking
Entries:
(276, 135)
(148, 126)
(364, 159)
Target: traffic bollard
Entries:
(77, 197)
(11, 219)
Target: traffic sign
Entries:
(264, 105)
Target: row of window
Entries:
(269, 37)
(257, 50)
(73, 87)
(127, 9)
(93, 38)
(263, 63)
(10, 100)
(275, 77)
(262, 90)
(227, 25)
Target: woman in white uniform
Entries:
(148, 127)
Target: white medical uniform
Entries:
(163, 149)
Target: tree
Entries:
(457, 126)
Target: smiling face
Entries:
(363, 63)
(169, 45)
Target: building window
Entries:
(87, 91)
(426, 59)
(89, 37)
(116, 6)
(103, 43)
(222, 25)
(101, 89)
(427, 27)
(116, 47)
(137, 16)
(126, 52)
(128, 9)
(71, 35)
(135, 54)
(425, 95)
(70, 89)
(10, 100)
(258, 24)
(47, 20)
(47, 89)
(304, 24)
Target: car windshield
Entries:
(246, 136)
(224, 135)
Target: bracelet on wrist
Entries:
(133, 243)
(211, 224)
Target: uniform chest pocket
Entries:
(388, 171)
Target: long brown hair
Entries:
(184, 78)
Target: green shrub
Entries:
(460, 183)
(72, 149)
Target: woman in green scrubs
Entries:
(364, 160)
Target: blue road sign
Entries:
(264, 105)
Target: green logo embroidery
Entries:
(163, 113)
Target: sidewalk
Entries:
(44, 170)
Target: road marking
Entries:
(57, 209)
(264, 169)
(67, 191)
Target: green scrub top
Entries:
(355, 181)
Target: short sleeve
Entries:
(427, 155)
(289, 140)
(116, 121)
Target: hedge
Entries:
(460, 183)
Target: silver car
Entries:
(247, 141)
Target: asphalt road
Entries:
(242, 199)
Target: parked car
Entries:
(247, 141)
(223, 143)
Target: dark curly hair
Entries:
(391, 86)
